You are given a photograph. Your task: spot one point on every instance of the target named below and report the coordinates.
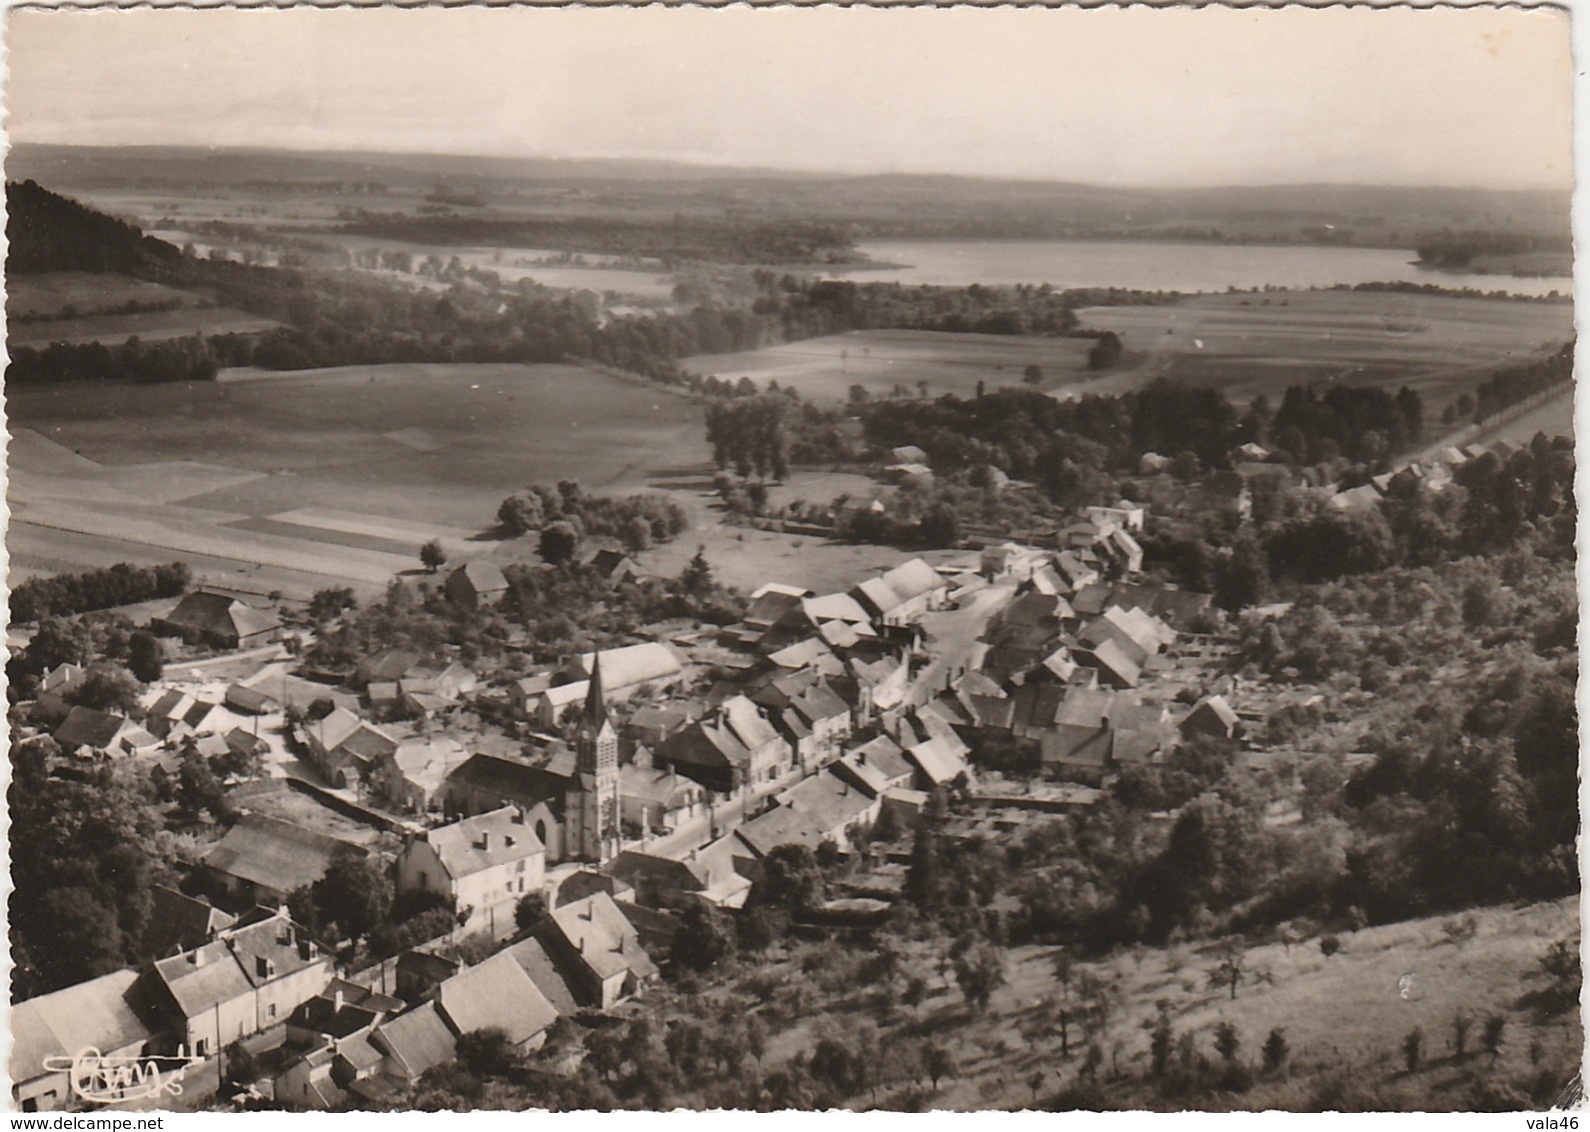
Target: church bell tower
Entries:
(595, 809)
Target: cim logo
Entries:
(112, 1080)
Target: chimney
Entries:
(517, 816)
(590, 911)
(580, 943)
(197, 957)
(336, 1000)
(485, 840)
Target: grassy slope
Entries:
(1344, 1017)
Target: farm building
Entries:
(475, 584)
(262, 859)
(106, 1014)
(625, 669)
(218, 621)
(92, 730)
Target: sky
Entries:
(1130, 96)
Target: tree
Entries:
(1329, 945)
(432, 556)
(923, 881)
(791, 880)
(1033, 374)
(355, 894)
(1106, 352)
(1491, 1035)
(330, 602)
(1229, 973)
(198, 789)
(1275, 1051)
(940, 526)
(1227, 1041)
(529, 911)
(703, 939)
(560, 542)
(1461, 1023)
(486, 1052)
(979, 972)
(938, 1061)
(696, 580)
(1413, 1049)
(636, 535)
(145, 657)
(242, 1067)
(107, 689)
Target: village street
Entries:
(951, 637)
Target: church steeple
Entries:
(595, 741)
(595, 700)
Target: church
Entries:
(591, 803)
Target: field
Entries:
(878, 360)
(77, 307)
(1250, 344)
(296, 481)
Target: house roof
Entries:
(660, 787)
(603, 939)
(230, 966)
(782, 825)
(250, 700)
(767, 609)
(802, 654)
(633, 664)
(1078, 745)
(631, 866)
(178, 922)
(819, 702)
(829, 799)
(1217, 705)
(936, 760)
(63, 678)
(877, 593)
(483, 577)
(417, 1041)
(704, 744)
(89, 727)
(99, 1013)
(835, 607)
(495, 993)
(884, 755)
(388, 665)
(219, 615)
(747, 723)
(544, 973)
(484, 841)
(511, 780)
(1111, 657)
(275, 854)
(426, 762)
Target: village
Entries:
(565, 818)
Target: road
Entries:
(952, 635)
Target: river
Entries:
(1165, 266)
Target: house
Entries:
(908, 454)
(1125, 515)
(88, 729)
(247, 980)
(812, 652)
(340, 1009)
(412, 774)
(654, 801)
(594, 940)
(1111, 662)
(546, 706)
(342, 747)
(902, 595)
(1140, 635)
(770, 755)
(1211, 716)
(262, 859)
(708, 752)
(414, 1042)
(496, 994)
(218, 621)
(878, 685)
(661, 882)
(651, 725)
(50, 704)
(419, 973)
(475, 584)
(1179, 609)
(616, 566)
(486, 864)
(249, 701)
(110, 1015)
(1010, 561)
(174, 715)
(833, 806)
(937, 762)
(181, 923)
(547, 976)
(386, 667)
(488, 782)
(883, 759)
(779, 826)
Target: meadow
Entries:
(878, 360)
(1251, 344)
(304, 479)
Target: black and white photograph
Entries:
(761, 557)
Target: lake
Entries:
(1164, 266)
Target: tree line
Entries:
(122, 584)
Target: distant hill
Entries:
(893, 204)
(48, 232)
